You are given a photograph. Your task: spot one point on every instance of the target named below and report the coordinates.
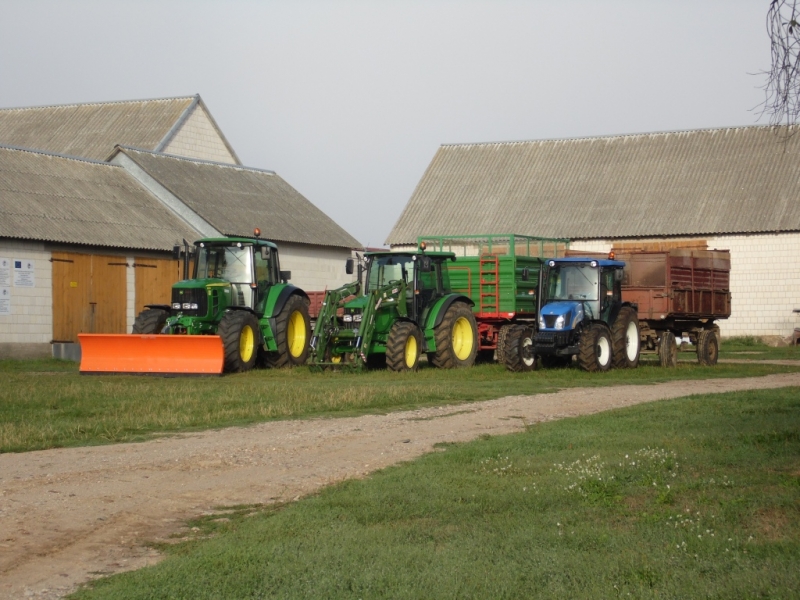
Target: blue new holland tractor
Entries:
(582, 314)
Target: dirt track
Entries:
(69, 515)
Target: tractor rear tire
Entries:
(150, 320)
(456, 338)
(240, 333)
(625, 338)
(707, 348)
(594, 349)
(519, 354)
(403, 347)
(668, 350)
(502, 336)
(292, 334)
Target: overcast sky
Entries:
(349, 100)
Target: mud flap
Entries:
(151, 354)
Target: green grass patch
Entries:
(751, 348)
(691, 498)
(47, 404)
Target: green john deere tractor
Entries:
(405, 307)
(238, 293)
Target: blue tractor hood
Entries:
(571, 310)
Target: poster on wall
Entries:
(23, 273)
(5, 272)
(5, 301)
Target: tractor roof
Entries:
(229, 241)
(603, 262)
(446, 255)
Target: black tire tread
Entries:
(283, 358)
(502, 336)
(513, 355)
(445, 357)
(706, 340)
(667, 350)
(587, 355)
(150, 320)
(396, 346)
(230, 330)
(618, 334)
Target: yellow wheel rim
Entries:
(296, 334)
(463, 340)
(247, 343)
(411, 351)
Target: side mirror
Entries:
(264, 252)
(619, 275)
(425, 265)
(526, 274)
(286, 276)
(348, 266)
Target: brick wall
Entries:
(198, 138)
(31, 318)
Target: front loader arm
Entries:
(327, 322)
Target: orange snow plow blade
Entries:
(151, 354)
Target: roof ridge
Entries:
(110, 102)
(195, 160)
(56, 154)
(611, 136)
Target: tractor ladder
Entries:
(489, 285)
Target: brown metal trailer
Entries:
(680, 293)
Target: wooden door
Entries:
(154, 279)
(89, 295)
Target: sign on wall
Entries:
(5, 286)
(23, 273)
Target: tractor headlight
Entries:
(357, 318)
(176, 305)
(187, 306)
(194, 306)
(541, 322)
(348, 318)
(559, 322)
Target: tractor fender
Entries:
(165, 307)
(278, 296)
(438, 310)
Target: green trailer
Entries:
(500, 274)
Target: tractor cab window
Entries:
(262, 270)
(225, 262)
(577, 281)
(394, 267)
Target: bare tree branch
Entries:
(782, 88)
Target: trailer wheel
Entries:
(668, 350)
(625, 338)
(456, 338)
(150, 320)
(594, 349)
(292, 334)
(502, 336)
(239, 332)
(403, 347)
(707, 348)
(519, 354)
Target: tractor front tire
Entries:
(519, 354)
(668, 350)
(594, 349)
(239, 332)
(403, 347)
(625, 339)
(150, 320)
(292, 334)
(456, 338)
(707, 348)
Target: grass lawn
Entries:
(691, 498)
(47, 404)
(751, 349)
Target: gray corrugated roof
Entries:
(720, 181)
(235, 199)
(92, 130)
(58, 199)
